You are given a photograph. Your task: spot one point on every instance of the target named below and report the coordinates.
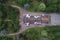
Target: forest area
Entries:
(47, 33)
(51, 6)
(9, 19)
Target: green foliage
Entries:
(22, 2)
(58, 8)
(49, 2)
(3, 1)
(58, 1)
(0, 15)
(21, 39)
(51, 8)
(13, 26)
(45, 6)
(42, 7)
(44, 33)
(5, 38)
(54, 32)
(32, 34)
(11, 16)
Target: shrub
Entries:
(42, 7)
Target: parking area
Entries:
(32, 20)
(36, 19)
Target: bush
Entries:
(58, 8)
(51, 8)
(9, 13)
(32, 34)
(54, 32)
(5, 38)
(42, 7)
(49, 2)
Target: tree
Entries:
(3, 1)
(0, 15)
(5, 38)
(58, 8)
(42, 7)
(9, 13)
(51, 8)
(44, 33)
(49, 2)
(32, 34)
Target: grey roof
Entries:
(55, 19)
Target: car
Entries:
(27, 24)
(43, 14)
(37, 23)
(27, 15)
(36, 16)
